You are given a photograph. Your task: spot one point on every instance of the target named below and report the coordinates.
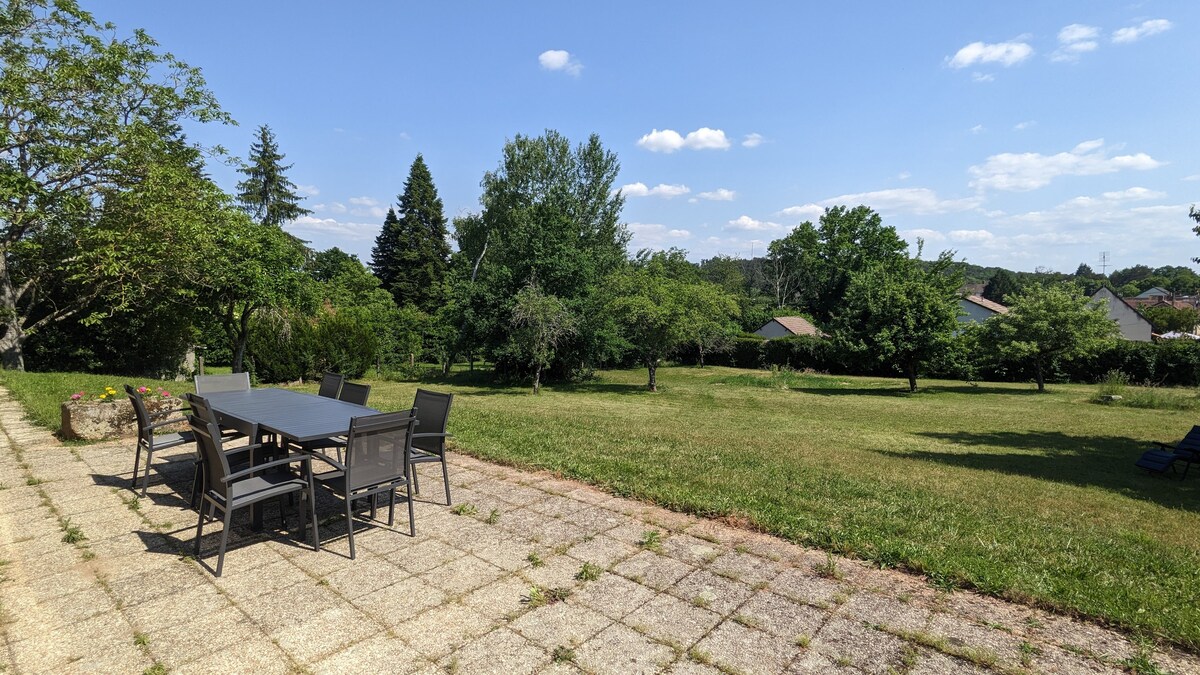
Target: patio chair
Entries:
(376, 463)
(227, 491)
(432, 411)
(213, 384)
(331, 384)
(238, 457)
(148, 440)
(355, 393)
(1163, 460)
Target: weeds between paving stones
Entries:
(464, 509)
(72, 534)
(535, 560)
(563, 654)
(802, 641)
(1028, 651)
(156, 669)
(493, 517)
(829, 568)
(651, 541)
(589, 572)
(540, 596)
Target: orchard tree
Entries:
(267, 194)
(901, 313)
(1049, 322)
(411, 253)
(93, 166)
(542, 322)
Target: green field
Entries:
(1025, 496)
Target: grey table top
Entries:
(293, 415)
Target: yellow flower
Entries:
(103, 396)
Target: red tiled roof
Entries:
(987, 304)
(799, 325)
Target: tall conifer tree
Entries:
(411, 253)
(267, 194)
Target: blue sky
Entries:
(1020, 134)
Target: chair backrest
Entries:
(355, 393)
(200, 407)
(377, 448)
(331, 384)
(1190, 443)
(139, 411)
(432, 410)
(212, 384)
(216, 466)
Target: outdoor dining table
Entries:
(289, 415)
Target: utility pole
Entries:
(1104, 263)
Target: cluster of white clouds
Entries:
(362, 207)
(1031, 170)
(660, 190)
(560, 60)
(656, 235)
(1073, 41)
(669, 140)
(332, 228)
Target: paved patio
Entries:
(544, 576)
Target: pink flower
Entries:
(165, 393)
(143, 389)
(77, 396)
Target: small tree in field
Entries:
(1048, 322)
(541, 322)
(901, 313)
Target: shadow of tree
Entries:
(1087, 461)
(902, 390)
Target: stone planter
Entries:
(96, 420)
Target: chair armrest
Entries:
(259, 467)
(328, 460)
(173, 420)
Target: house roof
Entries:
(799, 325)
(987, 304)
(1151, 292)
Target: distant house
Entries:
(1129, 320)
(1155, 292)
(977, 309)
(785, 326)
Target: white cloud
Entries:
(977, 128)
(718, 195)
(919, 201)
(1032, 170)
(669, 140)
(1022, 126)
(748, 224)
(983, 77)
(309, 190)
(752, 140)
(331, 207)
(1004, 53)
(923, 233)
(1143, 29)
(1134, 194)
(660, 190)
(1193, 177)
(331, 227)
(363, 201)
(558, 59)
(807, 211)
(970, 236)
(903, 175)
(655, 235)
(1077, 32)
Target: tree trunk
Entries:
(537, 380)
(240, 335)
(701, 356)
(12, 343)
(1041, 379)
(652, 366)
(911, 371)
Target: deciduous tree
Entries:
(542, 322)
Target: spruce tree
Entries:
(267, 194)
(383, 255)
(412, 257)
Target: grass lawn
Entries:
(1029, 497)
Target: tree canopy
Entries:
(411, 253)
(267, 194)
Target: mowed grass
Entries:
(1025, 496)
(42, 394)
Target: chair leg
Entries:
(446, 477)
(391, 506)
(224, 538)
(374, 504)
(312, 512)
(199, 528)
(412, 524)
(196, 489)
(416, 482)
(350, 525)
(137, 462)
(146, 478)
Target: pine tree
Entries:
(411, 258)
(267, 194)
(384, 252)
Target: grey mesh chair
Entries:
(376, 463)
(331, 384)
(148, 440)
(227, 491)
(429, 445)
(355, 393)
(239, 457)
(213, 384)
